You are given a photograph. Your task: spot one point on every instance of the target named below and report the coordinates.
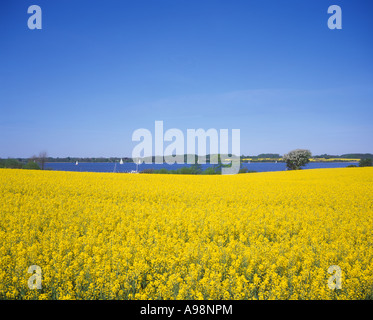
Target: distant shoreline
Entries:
(251, 161)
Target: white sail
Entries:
(121, 161)
(76, 163)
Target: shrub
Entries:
(147, 171)
(31, 165)
(185, 170)
(209, 170)
(163, 171)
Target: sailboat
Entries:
(76, 163)
(121, 161)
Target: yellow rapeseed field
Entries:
(127, 236)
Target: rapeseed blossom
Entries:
(126, 236)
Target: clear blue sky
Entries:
(98, 70)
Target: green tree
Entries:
(31, 165)
(196, 168)
(365, 162)
(11, 164)
(220, 165)
(296, 159)
(184, 170)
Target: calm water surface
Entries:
(128, 167)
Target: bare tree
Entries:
(42, 159)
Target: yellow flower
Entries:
(249, 236)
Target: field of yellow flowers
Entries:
(137, 236)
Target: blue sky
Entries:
(98, 70)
